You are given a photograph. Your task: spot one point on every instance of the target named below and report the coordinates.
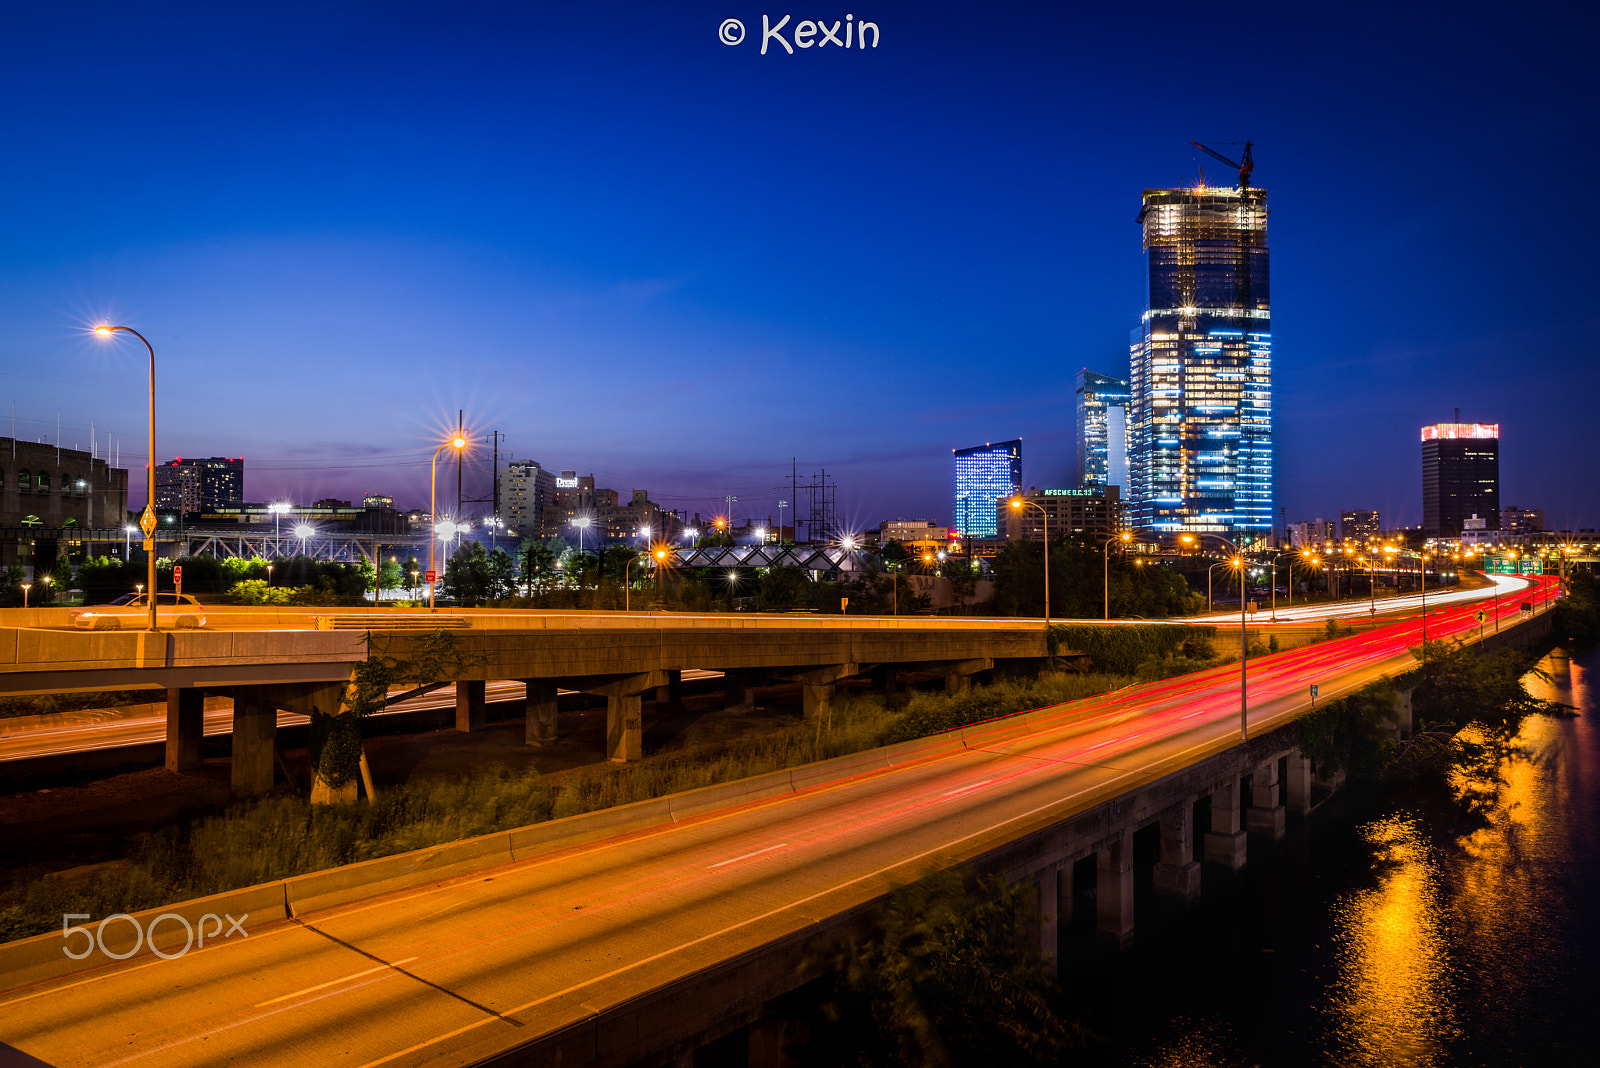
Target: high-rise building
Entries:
(1201, 408)
(1090, 512)
(1101, 434)
(194, 486)
(983, 475)
(1516, 520)
(1313, 533)
(1360, 525)
(1460, 476)
(526, 490)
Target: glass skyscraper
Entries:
(1201, 411)
(1101, 435)
(984, 475)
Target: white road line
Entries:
(334, 982)
(964, 789)
(747, 856)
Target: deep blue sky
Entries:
(639, 252)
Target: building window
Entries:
(24, 480)
(42, 483)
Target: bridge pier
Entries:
(884, 679)
(185, 728)
(739, 690)
(539, 709)
(1265, 815)
(1297, 784)
(670, 693)
(255, 730)
(1177, 874)
(1050, 911)
(816, 686)
(1226, 841)
(1114, 888)
(470, 710)
(958, 676)
(624, 711)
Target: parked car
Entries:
(131, 611)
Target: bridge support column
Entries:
(624, 728)
(1114, 888)
(255, 728)
(958, 676)
(884, 679)
(739, 690)
(1049, 886)
(539, 706)
(1226, 841)
(624, 718)
(470, 711)
(816, 686)
(1177, 874)
(185, 728)
(1297, 785)
(670, 693)
(1266, 815)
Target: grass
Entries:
(271, 838)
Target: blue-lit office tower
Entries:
(1101, 426)
(1201, 413)
(984, 474)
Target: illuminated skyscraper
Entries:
(984, 474)
(1460, 477)
(1102, 426)
(1201, 410)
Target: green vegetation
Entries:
(949, 977)
(272, 838)
(1578, 613)
(1078, 579)
(1146, 649)
(52, 703)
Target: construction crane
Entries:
(1244, 166)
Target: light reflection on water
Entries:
(1436, 942)
(1393, 1000)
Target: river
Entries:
(1391, 933)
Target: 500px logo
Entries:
(807, 33)
(97, 939)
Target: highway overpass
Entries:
(635, 935)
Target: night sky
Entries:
(642, 253)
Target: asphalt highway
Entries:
(450, 973)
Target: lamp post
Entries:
(582, 523)
(627, 580)
(304, 531)
(127, 543)
(1023, 502)
(1244, 641)
(147, 521)
(1210, 569)
(1105, 565)
(457, 443)
(277, 508)
(26, 586)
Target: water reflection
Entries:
(1393, 1001)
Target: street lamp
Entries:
(1105, 552)
(582, 523)
(1213, 567)
(26, 586)
(1244, 642)
(127, 544)
(457, 443)
(303, 531)
(1023, 502)
(627, 579)
(147, 521)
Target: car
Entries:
(131, 611)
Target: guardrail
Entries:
(382, 622)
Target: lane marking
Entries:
(334, 982)
(964, 789)
(746, 856)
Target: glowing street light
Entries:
(26, 586)
(1244, 641)
(1105, 564)
(127, 542)
(582, 522)
(1023, 502)
(457, 443)
(147, 521)
(303, 531)
(278, 510)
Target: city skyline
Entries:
(679, 264)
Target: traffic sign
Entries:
(429, 576)
(177, 574)
(1313, 689)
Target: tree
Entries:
(538, 562)
(784, 587)
(391, 576)
(502, 574)
(468, 578)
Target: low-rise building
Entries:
(1090, 512)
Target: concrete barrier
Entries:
(331, 887)
(44, 957)
(539, 838)
(726, 794)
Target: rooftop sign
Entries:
(1448, 431)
